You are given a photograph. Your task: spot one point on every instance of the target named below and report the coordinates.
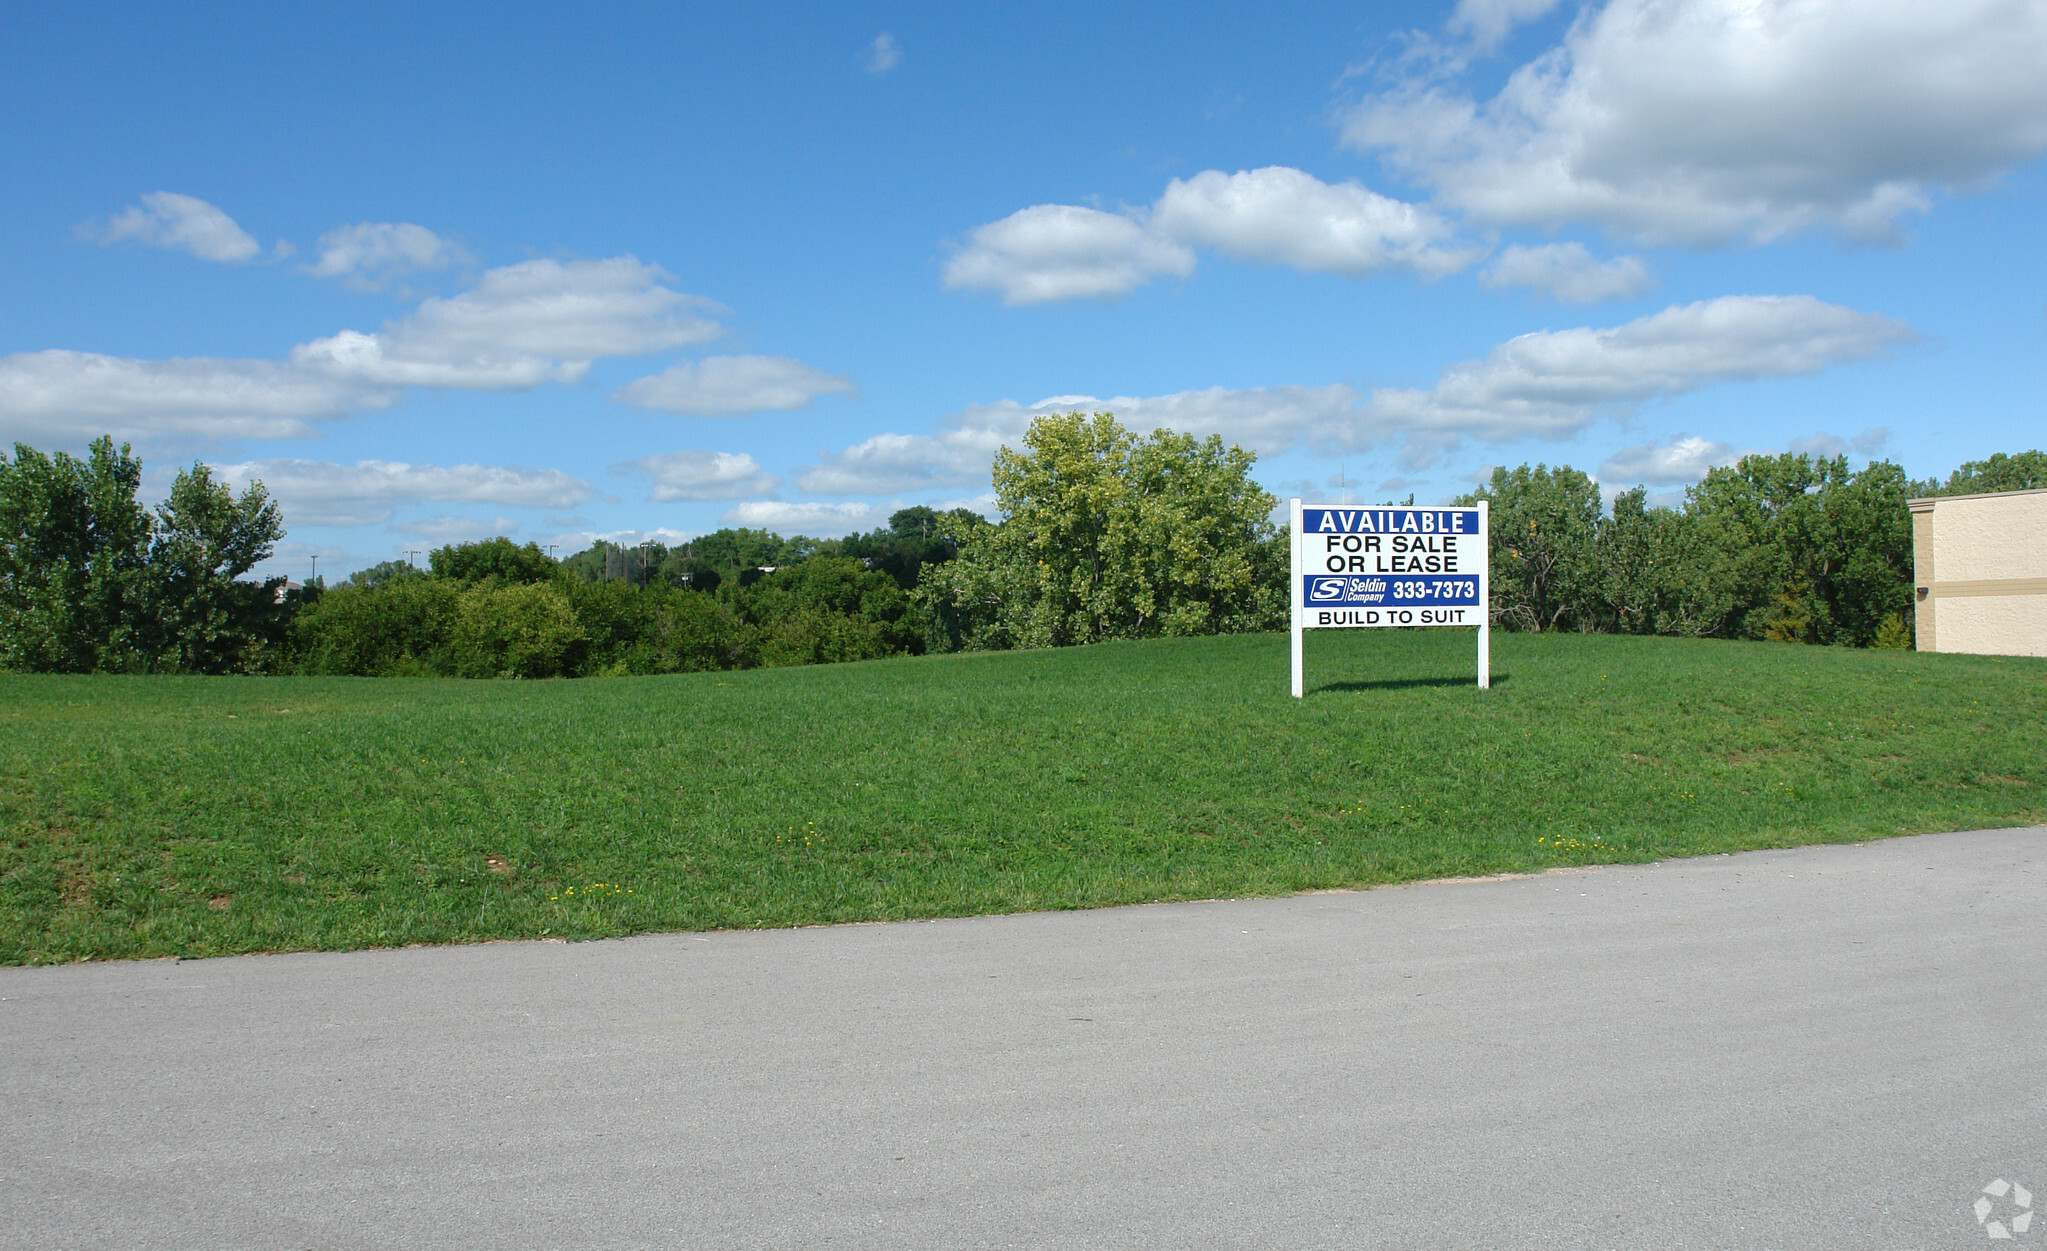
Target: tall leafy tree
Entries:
(1106, 535)
(915, 537)
(1659, 572)
(1544, 526)
(202, 617)
(1819, 553)
(383, 573)
(2024, 471)
(498, 558)
(73, 548)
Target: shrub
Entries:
(522, 630)
(401, 628)
(823, 611)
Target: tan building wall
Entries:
(1979, 566)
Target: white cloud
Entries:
(521, 326)
(702, 475)
(1554, 383)
(1052, 252)
(983, 503)
(1487, 22)
(68, 398)
(1275, 215)
(1283, 216)
(1550, 384)
(325, 493)
(959, 454)
(1685, 458)
(181, 223)
(728, 385)
(883, 55)
(823, 521)
(445, 530)
(572, 541)
(1567, 272)
(1266, 419)
(1820, 445)
(368, 255)
(1709, 121)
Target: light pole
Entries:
(314, 576)
(410, 552)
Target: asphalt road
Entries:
(1828, 1047)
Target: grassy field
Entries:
(202, 816)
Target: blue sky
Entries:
(439, 272)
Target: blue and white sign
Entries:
(1390, 566)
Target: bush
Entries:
(652, 629)
(824, 611)
(521, 630)
(401, 628)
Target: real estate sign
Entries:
(1359, 567)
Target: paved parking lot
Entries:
(1833, 1046)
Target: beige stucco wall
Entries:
(2001, 625)
(1980, 566)
(1990, 536)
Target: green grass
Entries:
(203, 816)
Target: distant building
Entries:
(1979, 571)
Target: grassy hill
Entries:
(202, 816)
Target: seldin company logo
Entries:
(2004, 1209)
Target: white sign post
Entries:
(1356, 568)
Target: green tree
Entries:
(74, 544)
(824, 610)
(498, 558)
(515, 630)
(399, 628)
(688, 633)
(1658, 572)
(1544, 525)
(1861, 561)
(384, 572)
(2025, 471)
(202, 617)
(1107, 535)
(915, 537)
(691, 573)
(1818, 553)
(653, 629)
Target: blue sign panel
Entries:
(1322, 590)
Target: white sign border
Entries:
(1300, 610)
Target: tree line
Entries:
(1103, 534)
(1788, 547)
